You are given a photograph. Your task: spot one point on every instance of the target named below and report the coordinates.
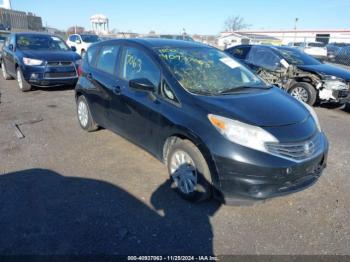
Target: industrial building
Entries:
(12, 20)
(284, 36)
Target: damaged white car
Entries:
(301, 75)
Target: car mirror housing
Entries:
(77, 41)
(142, 84)
(11, 47)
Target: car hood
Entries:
(265, 108)
(324, 69)
(51, 55)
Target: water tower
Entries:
(100, 24)
(6, 4)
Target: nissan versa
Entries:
(36, 59)
(219, 128)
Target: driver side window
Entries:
(138, 65)
(265, 58)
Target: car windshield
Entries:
(296, 57)
(207, 71)
(90, 38)
(40, 42)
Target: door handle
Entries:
(89, 76)
(116, 90)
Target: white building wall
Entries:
(306, 36)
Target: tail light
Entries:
(80, 71)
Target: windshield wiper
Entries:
(240, 88)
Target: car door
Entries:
(136, 113)
(9, 55)
(71, 41)
(103, 78)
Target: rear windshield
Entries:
(90, 38)
(316, 44)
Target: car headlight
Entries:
(78, 62)
(241, 133)
(334, 83)
(314, 116)
(32, 62)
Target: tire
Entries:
(5, 75)
(198, 171)
(84, 115)
(23, 85)
(304, 92)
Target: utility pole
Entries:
(295, 28)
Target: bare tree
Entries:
(75, 30)
(235, 23)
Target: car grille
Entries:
(60, 69)
(60, 74)
(296, 151)
(60, 63)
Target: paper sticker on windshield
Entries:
(284, 63)
(230, 62)
(54, 38)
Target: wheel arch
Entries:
(184, 134)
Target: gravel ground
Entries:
(65, 191)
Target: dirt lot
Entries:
(64, 191)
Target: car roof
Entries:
(158, 42)
(32, 33)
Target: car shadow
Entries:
(333, 106)
(43, 212)
(52, 88)
(346, 108)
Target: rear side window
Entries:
(107, 59)
(72, 38)
(240, 52)
(139, 65)
(91, 53)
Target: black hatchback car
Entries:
(301, 75)
(217, 126)
(36, 59)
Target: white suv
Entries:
(82, 42)
(316, 49)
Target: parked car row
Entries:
(220, 129)
(301, 75)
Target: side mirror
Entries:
(74, 49)
(11, 47)
(142, 84)
(77, 41)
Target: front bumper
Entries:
(243, 181)
(47, 76)
(339, 96)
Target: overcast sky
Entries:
(196, 16)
